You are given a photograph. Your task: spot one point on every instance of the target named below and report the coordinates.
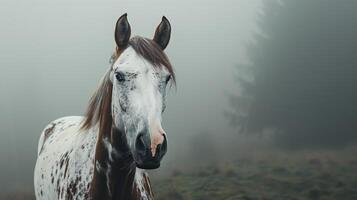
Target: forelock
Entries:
(151, 52)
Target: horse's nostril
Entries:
(163, 147)
(140, 144)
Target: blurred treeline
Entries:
(300, 88)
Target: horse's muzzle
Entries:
(143, 155)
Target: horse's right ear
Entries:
(122, 32)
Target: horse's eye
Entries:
(120, 76)
(168, 79)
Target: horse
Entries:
(106, 153)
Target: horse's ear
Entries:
(163, 33)
(122, 32)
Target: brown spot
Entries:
(147, 186)
(61, 163)
(72, 188)
(58, 188)
(49, 131)
(71, 125)
(63, 158)
(65, 169)
(58, 191)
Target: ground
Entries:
(304, 176)
(269, 176)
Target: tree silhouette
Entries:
(304, 66)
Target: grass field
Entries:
(265, 176)
(325, 176)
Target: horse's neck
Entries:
(115, 175)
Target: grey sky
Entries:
(53, 53)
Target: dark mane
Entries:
(99, 107)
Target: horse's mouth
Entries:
(148, 165)
(147, 161)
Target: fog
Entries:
(301, 88)
(251, 74)
(53, 54)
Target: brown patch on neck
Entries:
(118, 173)
(147, 187)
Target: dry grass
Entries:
(325, 175)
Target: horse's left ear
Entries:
(163, 33)
(122, 32)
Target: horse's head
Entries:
(139, 75)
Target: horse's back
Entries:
(57, 127)
(64, 154)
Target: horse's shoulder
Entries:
(58, 125)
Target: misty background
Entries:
(251, 74)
